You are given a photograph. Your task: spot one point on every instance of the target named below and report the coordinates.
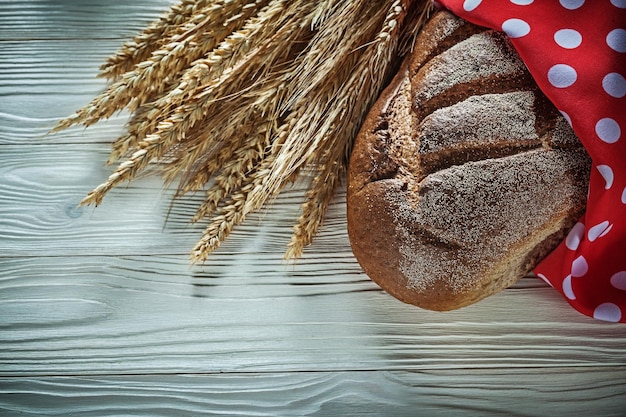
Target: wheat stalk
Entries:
(357, 88)
(146, 79)
(152, 37)
(238, 97)
(207, 102)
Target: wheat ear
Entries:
(238, 97)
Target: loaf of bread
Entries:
(463, 176)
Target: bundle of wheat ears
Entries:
(235, 98)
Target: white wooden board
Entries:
(101, 313)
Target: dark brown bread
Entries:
(464, 175)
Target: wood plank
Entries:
(42, 81)
(249, 312)
(41, 186)
(76, 19)
(538, 393)
(101, 313)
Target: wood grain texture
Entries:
(322, 394)
(109, 315)
(87, 20)
(145, 315)
(101, 313)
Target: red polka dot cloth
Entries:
(576, 52)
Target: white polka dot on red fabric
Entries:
(608, 312)
(516, 28)
(568, 38)
(545, 279)
(608, 130)
(614, 84)
(469, 5)
(618, 280)
(571, 4)
(572, 241)
(562, 75)
(616, 39)
(579, 267)
(566, 116)
(607, 174)
(590, 87)
(599, 230)
(567, 288)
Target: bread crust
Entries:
(461, 180)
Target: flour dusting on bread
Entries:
(463, 175)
